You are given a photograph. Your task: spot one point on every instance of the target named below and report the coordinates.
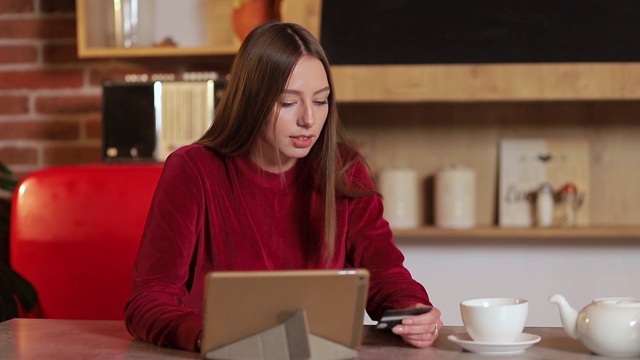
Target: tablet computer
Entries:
(240, 304)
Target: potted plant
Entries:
(17, 296)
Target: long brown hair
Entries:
(257, 81)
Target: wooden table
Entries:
(88, 339)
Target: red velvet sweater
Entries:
(213, 212)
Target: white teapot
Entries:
(607, 326)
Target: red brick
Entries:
(14, 105)
(39, 130)
(18, 54)
(67, 104)
(16, 6)
(40, 28)
(56, 53)
(18, 156)
(93, 128)
(68, 155)
(41, 79)
(57, 6)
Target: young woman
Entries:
(271, 185)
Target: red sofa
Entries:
(75, 232)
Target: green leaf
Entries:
(7, 182)
(5, 170)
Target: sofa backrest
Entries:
(75, 232)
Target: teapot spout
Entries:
(568, 315)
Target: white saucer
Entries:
(523, 342)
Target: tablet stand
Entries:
(289, 340)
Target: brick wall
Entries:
(50, 101)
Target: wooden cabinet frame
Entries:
(438, 83)
(220, 34)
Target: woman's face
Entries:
(294, 129)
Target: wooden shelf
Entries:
(487, 82)
(109, 52)
(497, 233)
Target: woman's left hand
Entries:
(420, 330)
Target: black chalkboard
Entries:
(480, 31)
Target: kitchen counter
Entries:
(89, 339)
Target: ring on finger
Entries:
(436, 331)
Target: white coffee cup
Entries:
(494, 320)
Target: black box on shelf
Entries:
(146, 121)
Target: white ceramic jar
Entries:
(399, 189)
(455, 197)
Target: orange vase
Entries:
(249, 14)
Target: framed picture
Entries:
(527, 164)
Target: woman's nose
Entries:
(307, 118)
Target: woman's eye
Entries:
(287, 104)
(321, 102)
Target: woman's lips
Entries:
(302, 141)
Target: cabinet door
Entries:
(136, 28)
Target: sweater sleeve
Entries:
(155, 311)
(370, 245)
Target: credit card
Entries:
(393, 317)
